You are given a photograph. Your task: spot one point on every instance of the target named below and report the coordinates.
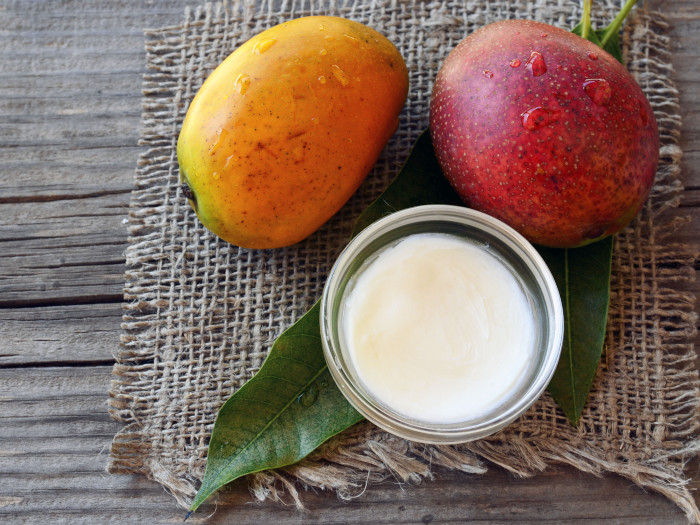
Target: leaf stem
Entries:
(586, 19)
(615, 25)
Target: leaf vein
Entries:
(569, 338)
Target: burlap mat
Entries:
(200, 315)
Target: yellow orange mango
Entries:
(285, 129)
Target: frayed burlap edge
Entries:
(365, 454)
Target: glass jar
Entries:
(502, 242)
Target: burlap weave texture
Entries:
(200, 314)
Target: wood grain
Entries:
(45, 477)
(70, 95)
(71, 335)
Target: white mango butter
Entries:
(438, 329)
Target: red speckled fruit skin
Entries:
(574, 180)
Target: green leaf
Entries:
(583, 278)
(292, 404)
(282, 414)
(612, 45)
(420, 181)
(592, 36)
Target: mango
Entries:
(286, 128)
(545, 131)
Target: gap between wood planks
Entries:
(57, 364)
(50, 198)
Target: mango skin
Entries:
(285, 129)
(580, 173)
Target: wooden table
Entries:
(70, 95)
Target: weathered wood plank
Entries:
(37, 17)
(80, 334)
(459, 499)
(65, 250)
(28, 192)
(54, 433)
(99, 130)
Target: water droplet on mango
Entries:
(355, 41)
(340, 76)
(488, 74)
(323, 52)
(536, 64)
(515, 62)
(322, 79)
(598, 90)
(241, 84)
(216, 175)
(592, 55)
(221, 135)
(228, 161)
(263, 45)
(539, 117)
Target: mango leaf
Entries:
(612, 45)
(292, 404)
(583, 279)
(282, 414)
